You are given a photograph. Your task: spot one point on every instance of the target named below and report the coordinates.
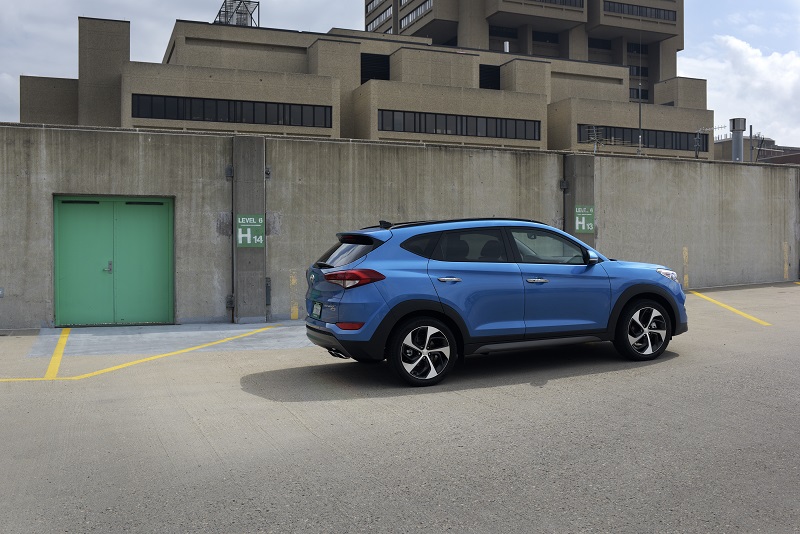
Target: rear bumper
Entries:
(357, 350)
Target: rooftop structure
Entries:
(573, 93)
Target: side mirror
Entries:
(592, 258)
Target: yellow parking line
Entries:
(55, 361)
(734, 310)
(125, 365)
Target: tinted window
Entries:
(479, 244)
(540, 246)
(421, 245)
(349, 249)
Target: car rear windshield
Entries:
(349, 248)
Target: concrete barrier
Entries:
(37, 163)
(715, 223)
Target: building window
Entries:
(463, 125)
(372, 5)
(600, 44)
(409, 19)
(504, 33)
(642, 72)
(640, 94)
(656, 139)
(380, 19)
(545, 37)
(636, 48)
(181, 108)
(489, 77)
(640, 11)
(567, 3)
(375, 67)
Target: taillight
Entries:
(354, 277)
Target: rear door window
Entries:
(473, 245)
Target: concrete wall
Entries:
(448, 69)
(104, 47)
(48, 100)
(334, 59)
(38, 163)
(682, 92)
(593, 81)
(715, 223)
(320, 188)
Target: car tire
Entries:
(422, 351)
(643, 331)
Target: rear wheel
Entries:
(422, 351)
(643, 331)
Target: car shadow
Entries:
(349, 380)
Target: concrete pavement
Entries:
(266, 434)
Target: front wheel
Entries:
(422, 351)
(643, 331)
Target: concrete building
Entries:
(757, 149)
(642, 36)
(567, 82)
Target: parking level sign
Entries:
(250, 231)
(584, 219)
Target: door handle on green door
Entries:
(110, 268)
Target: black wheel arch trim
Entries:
(396, 314)
(438, 310)
(662, 296)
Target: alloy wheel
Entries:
(647, 331)
(425, 352)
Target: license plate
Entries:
(317, 310)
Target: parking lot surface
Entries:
(234, 428)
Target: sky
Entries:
(748, 51)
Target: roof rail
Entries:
(386, 225)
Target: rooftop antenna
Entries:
(239, 13)
(697, 138)
(594, 136)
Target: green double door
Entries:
(113, 261)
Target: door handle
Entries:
(449, 279)
(537, 280)
(110, 268)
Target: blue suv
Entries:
(424, 294)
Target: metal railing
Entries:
(239, 13)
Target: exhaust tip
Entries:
(338, 354)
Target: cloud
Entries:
(744, 81)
